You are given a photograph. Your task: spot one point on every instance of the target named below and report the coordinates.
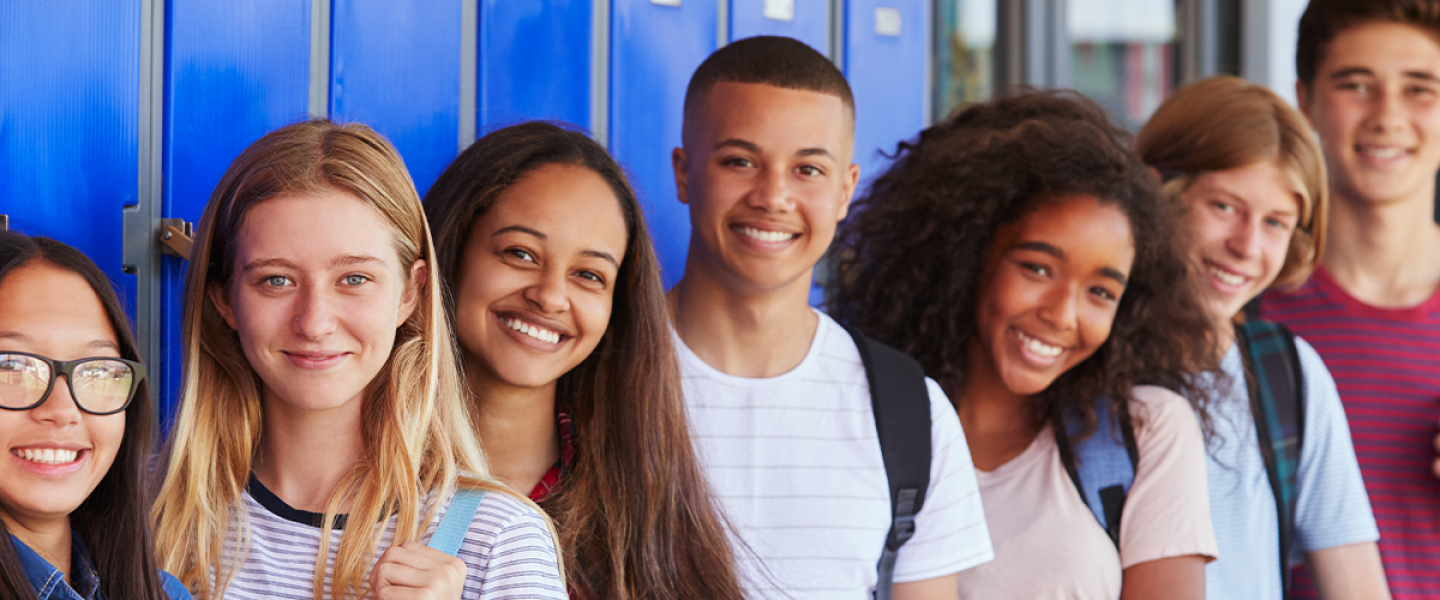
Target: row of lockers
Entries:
(81, 127)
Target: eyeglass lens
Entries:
(98, 385)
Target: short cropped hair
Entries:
(1226, 123)
(772, 60)
(1325, 19)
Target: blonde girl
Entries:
(322, 432)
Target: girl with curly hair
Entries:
(1019, 252)
(1252, 176)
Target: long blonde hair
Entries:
(1226, 122)
(416, 424)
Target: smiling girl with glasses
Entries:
(76, 425)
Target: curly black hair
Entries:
(909, 259)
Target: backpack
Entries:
(901, 404)
(1102, 467)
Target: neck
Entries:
(1384, 254)
(996, 422)
(986, 405)
(48, 537)
(304, 454)
(743, 332)
(516, 426)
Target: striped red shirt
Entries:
(1386, 364)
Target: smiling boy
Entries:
(776, 391)
(1369, 82)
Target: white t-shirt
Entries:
(508, 551)
(1331, 507)
(1048, 544)
(795, 463)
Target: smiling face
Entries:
(1375, 103)
(55, 454)
(766, 172)
(1050, 290)
(316, 296)
(537, 277)
(1241, 221)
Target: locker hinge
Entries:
(176, 237)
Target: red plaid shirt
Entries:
(567, 455)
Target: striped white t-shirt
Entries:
(508, 552)
(795, 462)
(1331, 508)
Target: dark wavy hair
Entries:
(114, 520)
(910, 258)
(634, 516)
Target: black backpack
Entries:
(902, 419)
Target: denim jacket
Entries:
(49, 583)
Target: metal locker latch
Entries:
(4, 222)
(176, 237)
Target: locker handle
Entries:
(4, 222)
(176, 237)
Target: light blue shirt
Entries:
(50, 584)
(1331, 507)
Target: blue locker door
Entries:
(69, 123)
(886, 60)
(655, 46)
(534, 63)
(804, 20)
(396, 67)
(235, 71)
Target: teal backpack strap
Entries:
(1277, 402)
(456, 522)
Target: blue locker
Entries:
(886, 60)
(534, 61)
(655, 46)
(69, 123)
(804, 20)
(234, 71)
(396, 67)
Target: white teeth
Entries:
(544, 335)
(46, 456)
(766, 236)
(1037, 346)
(1227, 278)
(1383, 153)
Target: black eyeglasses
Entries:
(99, 386)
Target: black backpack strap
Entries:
(902, 419)
(1099, 461)
(1277, 401)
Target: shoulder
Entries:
(174, 590)
(500, 512)
(1161, 407)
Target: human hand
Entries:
(414, 571)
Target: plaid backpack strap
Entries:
(1277, 401)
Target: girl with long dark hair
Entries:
(77, 423)
(560, 318)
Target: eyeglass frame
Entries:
(67, 368)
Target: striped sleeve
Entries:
(950, 531)
(510, 553)
(1331, 508)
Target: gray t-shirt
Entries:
(1331, 508)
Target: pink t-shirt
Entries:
(1048, 543)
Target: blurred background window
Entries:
(965, 53)
(1124, 53)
